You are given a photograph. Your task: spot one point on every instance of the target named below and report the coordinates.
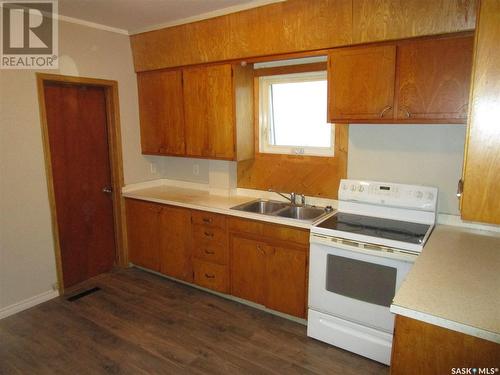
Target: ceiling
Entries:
(134, 16)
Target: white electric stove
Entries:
(358, 259)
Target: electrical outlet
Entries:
(152, 168)
(196, 169)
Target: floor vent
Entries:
(83, 294)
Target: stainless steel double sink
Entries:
(282, 209)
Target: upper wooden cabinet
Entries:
(210, 117)
(412, 81)
(361, 83)
(161, 112)
(481, 176)
(204, 112)
(433, 79)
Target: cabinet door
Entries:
(195, 91)
(481, 200)
(361, 83)
(209, 111)
(248, 269)
(175, 246)
(221, 112)
(143, 220)
(286, 287)
(433, 79)
(161, 112)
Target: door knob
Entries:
(107, 189)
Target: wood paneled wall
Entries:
(297, 26)
(310, 175)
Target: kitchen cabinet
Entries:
(143, 224)
(210, 250)
(361, 83)
(248, 269)
(203, 111)
(480, 200)
(261, 262)
(159, 238)
(411, 81)
(423, 348)
(286, 286)
(266, 269)
(433, 79)
(175, 243)
(161, 110)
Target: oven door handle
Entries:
(350, 245)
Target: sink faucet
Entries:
(291, 198)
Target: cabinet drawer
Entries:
(209, 234)
(210, 275)
(211, 251)
(270, 231)
(208, 218)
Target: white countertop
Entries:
(455, 283)
(194, 196)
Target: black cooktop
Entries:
(377, 227)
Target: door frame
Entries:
(115, 155)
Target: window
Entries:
(293, 115)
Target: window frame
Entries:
(264, 126)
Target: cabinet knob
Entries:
(207, 220)
(209, 252)
(208, 234)
(209, 276)
(387, 108)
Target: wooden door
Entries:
(175, 246)
(248, 269)
(78, 140)
(481, 176)
(143, 229)
(161, 110)
(221, 118)
(286, 280)
(361, 83)
(433, 79)
(196, 111)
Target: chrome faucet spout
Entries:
(291, 198)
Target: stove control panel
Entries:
(389, 194)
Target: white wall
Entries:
(411, 154)
(27, 265)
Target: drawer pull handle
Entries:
(209, 276)
(207, 220)
(208, 234)
(209, 252)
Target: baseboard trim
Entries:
(28, 303)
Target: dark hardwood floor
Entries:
(139, 323)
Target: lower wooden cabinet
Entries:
(268, 270)
(159, 238)
(261, 262)
(211, 275)
(248, 269)
(143, 227)
(423, 348)
(175, 243)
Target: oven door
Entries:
(355, 284)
